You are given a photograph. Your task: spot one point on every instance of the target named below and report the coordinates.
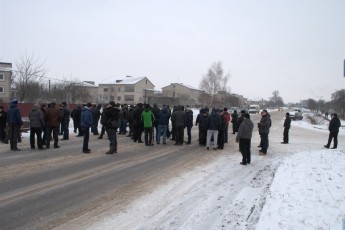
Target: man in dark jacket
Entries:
(86, 123)
(189, 125)
(3, 120)
(333, 128)
(234, 121)
(287, 125)
(213, 123)
(111, 121)
(179, 120)
(14, 119)
(53, 118)
(65, 112)
(96, 114)
(163, 122)
(138, 125)
(264, 130)
(155, 110)
(244, 137)
(201, 122)
(37, 124)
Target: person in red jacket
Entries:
(227, 117)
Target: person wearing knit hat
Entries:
(14, 120)
(287, 125)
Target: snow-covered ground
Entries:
(307, 191)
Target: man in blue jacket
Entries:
(86, 123)
(14, 119)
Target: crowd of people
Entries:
(48, 121)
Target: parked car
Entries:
(296, 114)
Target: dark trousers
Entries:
(286, 135)
(264, 141)
(94, 128)
(38, 132)
(333, 135)
(202, 137)
(220, 139)
(86, 132)
(245, 150)
(112, 138)
(226, 134)
(55, 131)
(179, 132)
(137, 132)
(148, 135)
(123, 126)
(65, 130)
(75, 125)
(102, 131)
(14, 132)
(189, 134)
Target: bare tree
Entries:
(27, 77)
(338, 102)
(276, 100)
(215, 80)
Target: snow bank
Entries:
(307, 192)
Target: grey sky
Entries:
(294, 46)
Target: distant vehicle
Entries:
(296, 114)
(254, 109)
(232, 109)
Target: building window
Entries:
(119, 89)
(129, 97)
(2, 77)
(119, 98)
(105, 90)
(2, 90)
(112, 89)
(129, 88)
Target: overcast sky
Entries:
(294, 46)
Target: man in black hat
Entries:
(287, 124)
(111, 122)
(333, 128)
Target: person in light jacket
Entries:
(37, 124)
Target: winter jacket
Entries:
(36, 118)
(86, 117)
(213, 121)
(3, 119)
(334, 125)
(178, 117)
(163, 116)
(189, 116)
(96, 113)
(66, 114)
(53, 117)
(155, 111)
(227, 117)
(287, 122)
(245, 130)
(203, 122)
(148, 118)
(265, 124)
(110, 114)
(13, 115)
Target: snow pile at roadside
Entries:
(320, 123)
(308, 192)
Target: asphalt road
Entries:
(45, 189)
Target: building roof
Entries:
(187, 86)
(125, 81)
(84, 84)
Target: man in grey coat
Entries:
(36, 126)
(244, 137)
